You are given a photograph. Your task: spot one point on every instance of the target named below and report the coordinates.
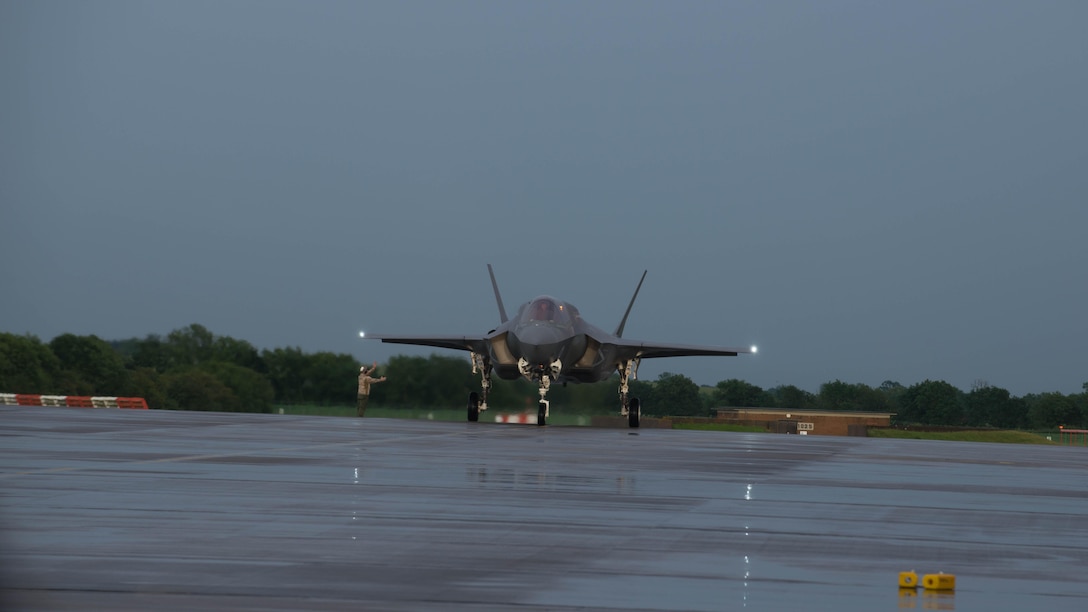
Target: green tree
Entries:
(595, 398)
(417, 382)
(1050, 410)
(839, 395)
(195, 389)
(27, 365)
(191, 346)
(90, 365)
(583, 398)
(151, 352)
(891, 390)
(675, 395)
(239, 352)
(406, 384)
(517, 395)
(736, 393)
(252, 392)
(286, 370)
(332, 378)
(790, 396)
(994, 407)
(932, 403)
(148, 384)
(891, 385)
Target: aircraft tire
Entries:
(634, 412)
(542, 414)
(473, 407)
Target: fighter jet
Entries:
(549, 342)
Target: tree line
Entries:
(194, 369)
(190, 369)
(927, 403)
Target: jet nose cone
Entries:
(541, 335)
(541, 344)
(541, 354)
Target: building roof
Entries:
(790, 412)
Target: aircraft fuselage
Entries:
(546, 334)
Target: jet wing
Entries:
(460, 343)
(647, 350)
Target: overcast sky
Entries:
(868, 191)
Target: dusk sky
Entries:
(868, 191)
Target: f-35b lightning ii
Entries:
(549, 342)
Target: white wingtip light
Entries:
(362, 334)
(755, 349)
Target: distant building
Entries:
(807, 422)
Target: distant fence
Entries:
(1073, 437)
(72, 401)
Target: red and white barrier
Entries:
(72, 401)
(524, 418)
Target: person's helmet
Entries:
(362, 369)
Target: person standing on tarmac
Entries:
(365, 380)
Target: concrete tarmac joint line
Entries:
(426, 515)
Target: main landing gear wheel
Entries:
(542, 414)
(634, 412)
(473, 407)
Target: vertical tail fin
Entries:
(623, 322)
(498, 298)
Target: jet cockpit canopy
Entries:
(545, 309)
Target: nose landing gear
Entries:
(543, 376)
(542, 407)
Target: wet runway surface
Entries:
(138, 510)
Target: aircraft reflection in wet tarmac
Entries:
(508, 478)
(548, 342)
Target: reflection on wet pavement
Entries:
(172, 510)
